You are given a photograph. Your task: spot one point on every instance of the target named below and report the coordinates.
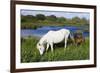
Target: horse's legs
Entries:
(51, 44)
(66, 41)
(47, 47)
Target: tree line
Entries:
(54, 19)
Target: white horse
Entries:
(51, 38)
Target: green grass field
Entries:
(29, 52)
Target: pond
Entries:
(39, 32)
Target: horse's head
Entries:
(40, 47)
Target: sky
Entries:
(56, 13)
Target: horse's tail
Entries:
(71, 36)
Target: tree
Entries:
(52, 18)
(75, 20)
(23, 19)
(84, 21)
(61, 19)
(27, 18)
(40, 17)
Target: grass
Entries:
(29, 52)
(35, 25)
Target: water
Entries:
(39, 32)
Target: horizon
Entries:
(56, 13)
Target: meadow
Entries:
(29, 52)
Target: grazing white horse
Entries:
(53, 37)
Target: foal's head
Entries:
(79, 38)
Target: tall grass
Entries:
(35, 25)
(29, 52)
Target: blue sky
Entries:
(57, 13)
